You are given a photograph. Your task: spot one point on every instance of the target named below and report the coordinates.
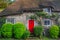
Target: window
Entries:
(48, 10)
(10, 20)
(47, 22)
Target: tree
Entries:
(2, 4)
(5, 3)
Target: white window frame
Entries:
(59, 14)
(49, 23)
(46, 10)
(10, 18)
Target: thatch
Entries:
(19, 5)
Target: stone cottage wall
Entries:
(22, 18)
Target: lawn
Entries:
(30, 38)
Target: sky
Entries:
(12, 0)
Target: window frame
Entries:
(47, 23)
(47, 10)
(10, 22)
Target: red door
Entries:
(31, 25)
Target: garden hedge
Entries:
(0, 33)
(19, 30)
(54, 31)
(38, 30)
(26, 34)
(6, 30)
(59, 30)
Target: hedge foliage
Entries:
(6, 30)
(0, 33)
(38, 30)
(54, 31)
(2, 21)
(19, 30)
(26, 34)
(59, 30)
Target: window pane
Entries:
(45, 10)
(10, 20)
(48, 10)
(47, 22)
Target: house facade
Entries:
(20, 10)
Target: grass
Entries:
(36, 38)
(47, 38)
(43, 38)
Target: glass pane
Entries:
(10, 20)
(48, 10)
(47, 22)
(45, 10)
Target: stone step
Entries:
(31, 35)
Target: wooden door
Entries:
(31, 25)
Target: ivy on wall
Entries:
(43, 15)
(2, 21)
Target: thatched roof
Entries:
(56, 5)
(19, 5)
(53, 3)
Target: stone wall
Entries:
(20, 18)
(23, 18)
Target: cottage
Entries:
(20, 10)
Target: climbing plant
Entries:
(38, 16)
(2, 21)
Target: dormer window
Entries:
(47, 10)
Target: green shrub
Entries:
(26, 34)
(6, 30)
(2, 21)
(59, 30)
(38, 31)
(0, 32)
(19, 30)
(54, 31)
(33, 17)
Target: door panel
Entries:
(31, 25)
